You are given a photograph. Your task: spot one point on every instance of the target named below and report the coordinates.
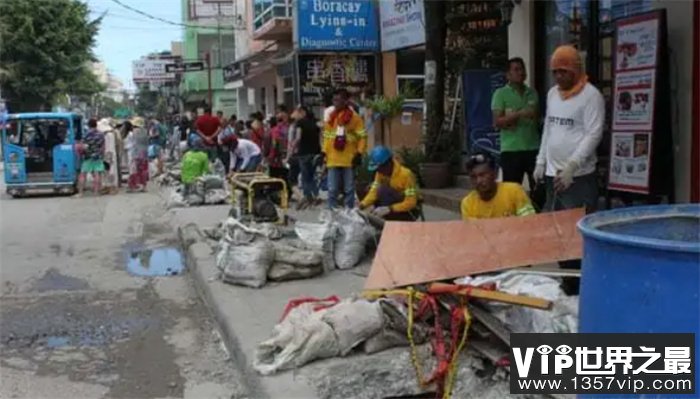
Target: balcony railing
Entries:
(267, 10)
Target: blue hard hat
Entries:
(378, 156)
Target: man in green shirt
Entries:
(195, 163)
(515, 113)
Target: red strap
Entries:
(324, 303)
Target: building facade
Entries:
(537, 27)
(208, 37)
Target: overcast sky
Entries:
(125, 35)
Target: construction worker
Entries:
(344, 143)
(394, 194)
(491, 199)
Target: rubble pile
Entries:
(468, 322)
(250, 253)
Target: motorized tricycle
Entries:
(40, 152)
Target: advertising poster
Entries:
(321, 73)
(337, 25)
(634, 100)
(479, 86)
(629, 161)
(402, 23)
(637, 40)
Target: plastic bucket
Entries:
(641, 273)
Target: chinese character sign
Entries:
(321, 73)
(339, 25)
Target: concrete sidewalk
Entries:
(247, 316)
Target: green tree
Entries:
(45, 51)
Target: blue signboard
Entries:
(479, 86)
(337, 25)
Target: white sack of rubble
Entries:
(562, 318)
(300, 338)
(212, 182)
(175, 200)
(351, 241)
(245, 264)
(215, 196)
(320, 237)
(353, 321)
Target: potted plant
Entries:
(386, 108)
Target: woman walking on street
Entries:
(137, 146)
(111, 180)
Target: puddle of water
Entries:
(165, 261)
(57, 342)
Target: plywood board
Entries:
(413, 253)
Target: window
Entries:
(266, 10)
(410, 73)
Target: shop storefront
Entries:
(403, 67)
(336, 45)
(538, 27)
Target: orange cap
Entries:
(568, 58)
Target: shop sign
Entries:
(337, 25)
(235, 71)
(320, 74)
(634, 103)
(148, 70)
(402, 23)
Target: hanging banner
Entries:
(337, 25)
(630, 159)
(402, 23)
(320, 74)
(478, 89)
(634, 100)
(634, 106)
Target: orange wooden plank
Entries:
(413, 253)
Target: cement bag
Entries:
(245, 264)
(353, 321)
(215, 196)
(175, 200)
(319, 237)
(299, 339)
(351, 240)
(212, 182)
(292, 263)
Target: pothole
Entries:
(152, 262)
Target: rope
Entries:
(448, 359)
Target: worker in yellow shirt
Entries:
(491, 199)
(394, 193)
(344, 143)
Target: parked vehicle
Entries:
(40, 152)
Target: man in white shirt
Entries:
(572, 131)
(245, 154)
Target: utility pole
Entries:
(207, 58)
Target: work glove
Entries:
(565, 177)
(538, 174)
(357, 160)
(381, 211)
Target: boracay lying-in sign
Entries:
(339, 25)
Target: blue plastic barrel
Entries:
(641, 273)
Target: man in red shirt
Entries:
(208, 127)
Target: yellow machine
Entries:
(259, 197)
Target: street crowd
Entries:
(310, 154)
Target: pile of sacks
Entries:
(207, 190)
(317, 330)
(251, 254)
